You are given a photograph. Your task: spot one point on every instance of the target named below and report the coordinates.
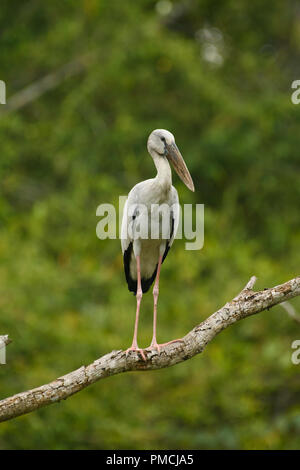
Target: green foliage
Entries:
(64, 300)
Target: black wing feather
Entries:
(168, 242)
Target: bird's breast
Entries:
(157, 193)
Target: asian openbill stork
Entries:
(143, 256)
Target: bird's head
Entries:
(161, 143)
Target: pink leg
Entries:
(139, 294)
(154, 344)
(155, 297)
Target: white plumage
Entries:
(147, 194)
(145, 239)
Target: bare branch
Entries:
(41, 86)
(251, 283)
(245, 304)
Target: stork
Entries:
(144, 255)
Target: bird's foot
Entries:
(136, 349)
(155, 346)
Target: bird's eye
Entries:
(163, 139)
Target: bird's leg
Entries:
(139, 295)
(154, 344)
(155, 298)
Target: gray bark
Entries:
(243, 305)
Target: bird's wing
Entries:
(128, 219)
(127, 241)
(176, 213)
(175, 216)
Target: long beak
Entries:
(174, 156)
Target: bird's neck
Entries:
(164, 174)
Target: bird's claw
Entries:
(136, 349)
(155, 345)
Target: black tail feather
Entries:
(132, 283)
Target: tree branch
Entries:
(246, 303)
(52, 80)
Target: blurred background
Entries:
(87, 81)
